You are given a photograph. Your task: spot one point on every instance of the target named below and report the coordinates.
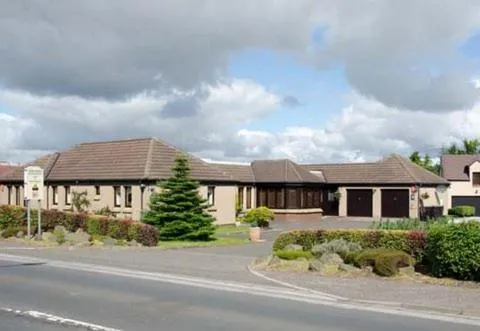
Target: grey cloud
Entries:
(291, 101)
(403, 53)
(114, 49)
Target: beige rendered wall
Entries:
(464, 188)
(3, 194)
(437, 197)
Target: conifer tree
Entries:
(178, 210)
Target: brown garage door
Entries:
(359, 203)
(395, 203)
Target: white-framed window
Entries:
(68, 196)
(117, 196)
(97, 190)
(9, 189)
(211, 195)
(128, 196)
(331, 196)
(54, 195)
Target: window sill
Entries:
(211, 209)
(97, 198)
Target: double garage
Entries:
(394, 202)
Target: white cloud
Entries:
(59, 122)
(367, 130)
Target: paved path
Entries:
(116, 302)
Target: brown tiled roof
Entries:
(241, 172)
(454, 166)
(45, 162)
(132, 159)
(282, 171)
(395, 169)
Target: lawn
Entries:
(225, 230)
(220, 241)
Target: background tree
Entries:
(469, 146)
(178, 210)
(80, 200)
(425, 162)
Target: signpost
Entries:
(33, 189)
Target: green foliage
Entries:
(411, 242)
(179, 204)
(453, 250)
(12, 231)
(147, 235)
(339, 246)
(262, 216)
(385, 262)
(293, 255)
(80, 200)
(60, 235)
(105, 211)
(470, 146)
(12, 216)
(425, 162)
(462, 211)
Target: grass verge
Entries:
(225, 230)
(221, 241)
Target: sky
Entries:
(310, 80)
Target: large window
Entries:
(249, 197)
(211, 195)
(128, 196)
(97, 191)
(117, 196)
(17, 195)
(240, 197)
(68, 196)
(289, 198)
(476, 178)
(54, 195)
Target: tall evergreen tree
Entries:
(178, 210)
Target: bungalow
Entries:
(123, 174)
(463, 173)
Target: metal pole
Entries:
(28, 219)
(39, 219)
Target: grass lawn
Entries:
(225, 230)
(220, 241)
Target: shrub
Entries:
(411, 242)
(133, 229)
(105, 211)
(338, 246)
(262, 216)
(402, 224)
(12, 216)
(385, 262)
(60, 235)
(453, 250)
(97, 225)
(147, 235)
(462, 211)
(293, 255)
(13, 230)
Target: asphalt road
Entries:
(126, 303)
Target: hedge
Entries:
(14, 219)
(410, 242)
(453, 250)
(462, 211)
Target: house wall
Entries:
(464, 188)
(437, 197)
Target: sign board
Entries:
(33, 183)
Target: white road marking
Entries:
(253, 289)
(49, 318)
(8, 248)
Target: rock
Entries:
(410, 271)
(108, 241)
(78, 238)
(48, 236)
(315, 265)
(325, 269)
(20, 234)
(293, 247)
(331, 258)
(134, 243)
(277, 264)
(347, 267)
